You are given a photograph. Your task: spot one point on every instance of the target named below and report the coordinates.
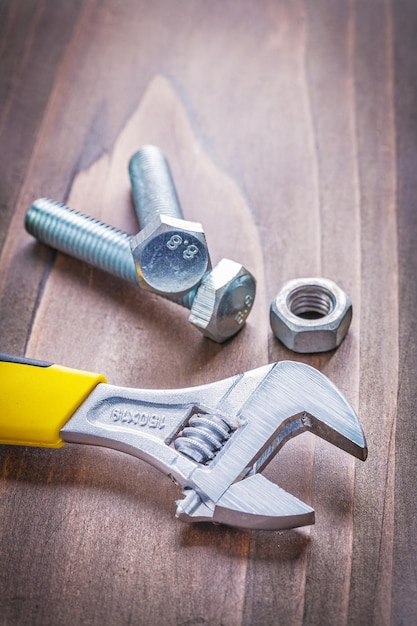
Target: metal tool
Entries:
(170, 253)
(219, 305)
(212, 440)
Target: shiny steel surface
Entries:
(219, 305)
(261, 410)
(170, 253)
(223, 300)
(311, 315)
(81, 236)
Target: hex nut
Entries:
(170, 255)
(311, 315)
(223, 301)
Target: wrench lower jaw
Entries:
(253, 503)
(257, 521)
(257, 503)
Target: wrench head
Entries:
(290, 399)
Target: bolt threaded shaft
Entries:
(81, 236)
(87, 239)
(153, 188)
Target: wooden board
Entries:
(290, 131)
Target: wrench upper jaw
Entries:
(253, 503)
(315, 404)
(352, 443)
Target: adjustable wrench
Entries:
(212, 440)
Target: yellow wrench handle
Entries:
(38, 398)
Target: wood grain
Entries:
(404, 601)
(290, 130)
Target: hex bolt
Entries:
(170, 253)
(219, 305)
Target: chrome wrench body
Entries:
(214, 439)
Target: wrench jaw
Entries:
(305, 422)
(254, 503)
(302, 399)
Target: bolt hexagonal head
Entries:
(223, 301)
(311, 315)
(170, 255)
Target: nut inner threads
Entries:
(310, 315)
(311, 302)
